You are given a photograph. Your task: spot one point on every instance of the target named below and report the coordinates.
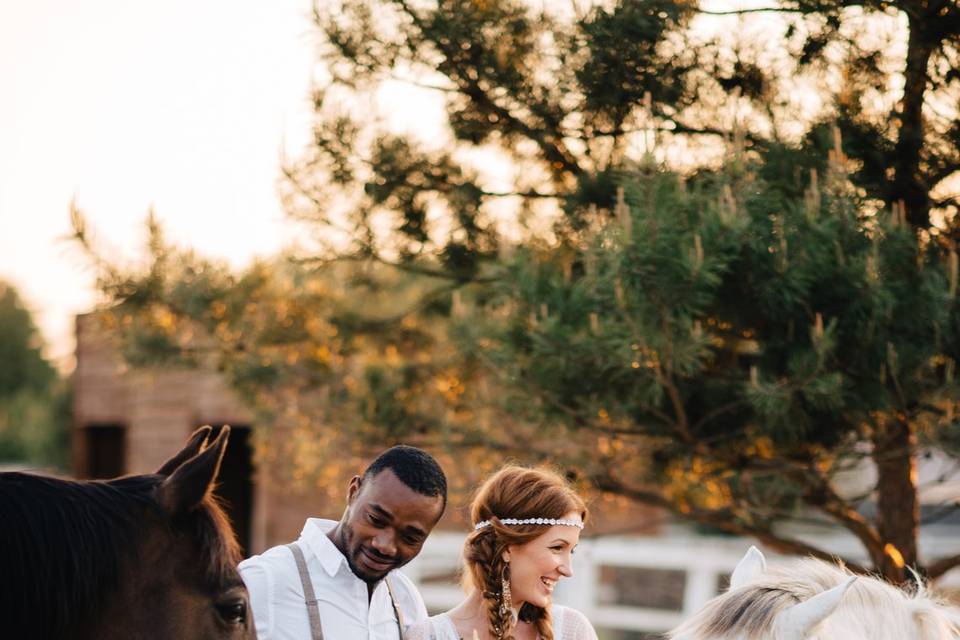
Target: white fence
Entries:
(696, 565)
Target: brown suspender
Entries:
(310, 598)
(396, 607)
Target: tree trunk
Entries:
(909, 185)
(898, 507)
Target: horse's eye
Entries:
(233, 612)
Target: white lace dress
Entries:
(568, 624)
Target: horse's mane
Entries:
(62, 545)
(750, 611)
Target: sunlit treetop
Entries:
(568, 93)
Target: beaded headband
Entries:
(547, 521)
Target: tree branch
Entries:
(740, 12)
(374, 325)
(952, 201)
(531, 193)
(680, 127)
(822, 495)
(555, 154)
(408, 267)
(939, 567)
(724, 520)
(320, 206)
(943, 173)
(716, 413)
(424, 85)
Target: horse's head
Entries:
(149, 556)
(181, 582)
(813, 600)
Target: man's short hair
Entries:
(414, 467)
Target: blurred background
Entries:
(702, 258)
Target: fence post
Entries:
(700, 586)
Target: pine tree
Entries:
(733, 350)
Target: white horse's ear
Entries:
(798, 621)
(750, 566)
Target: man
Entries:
(350, 565)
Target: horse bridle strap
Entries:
(310, 597)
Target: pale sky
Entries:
(125, 105)
(185, 107)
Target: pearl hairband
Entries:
(548, 521)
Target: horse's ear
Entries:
(186, 487)
(798, 621)
(194, 446)
(750, 566)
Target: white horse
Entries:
(813, 600)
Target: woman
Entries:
(527, 523)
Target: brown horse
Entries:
(149, 556)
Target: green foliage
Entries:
(34, 406)
(348, 354)
(625, 62)
(743, 339)
(24, 368)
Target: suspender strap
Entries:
(396, 607)
(309, 597)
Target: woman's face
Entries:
(537, 566)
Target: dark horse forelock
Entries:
(63, 557)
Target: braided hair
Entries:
(513, 492)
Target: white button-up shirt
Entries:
(277, 601)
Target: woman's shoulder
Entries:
(436, 627)
(570, 624)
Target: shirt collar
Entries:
(314, 535)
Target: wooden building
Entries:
(129, 421)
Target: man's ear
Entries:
(353, 489)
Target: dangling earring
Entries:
(506, 598)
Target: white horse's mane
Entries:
(870, 608)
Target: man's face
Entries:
(385, 524)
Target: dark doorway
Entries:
(105, 446)
(235, 483)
